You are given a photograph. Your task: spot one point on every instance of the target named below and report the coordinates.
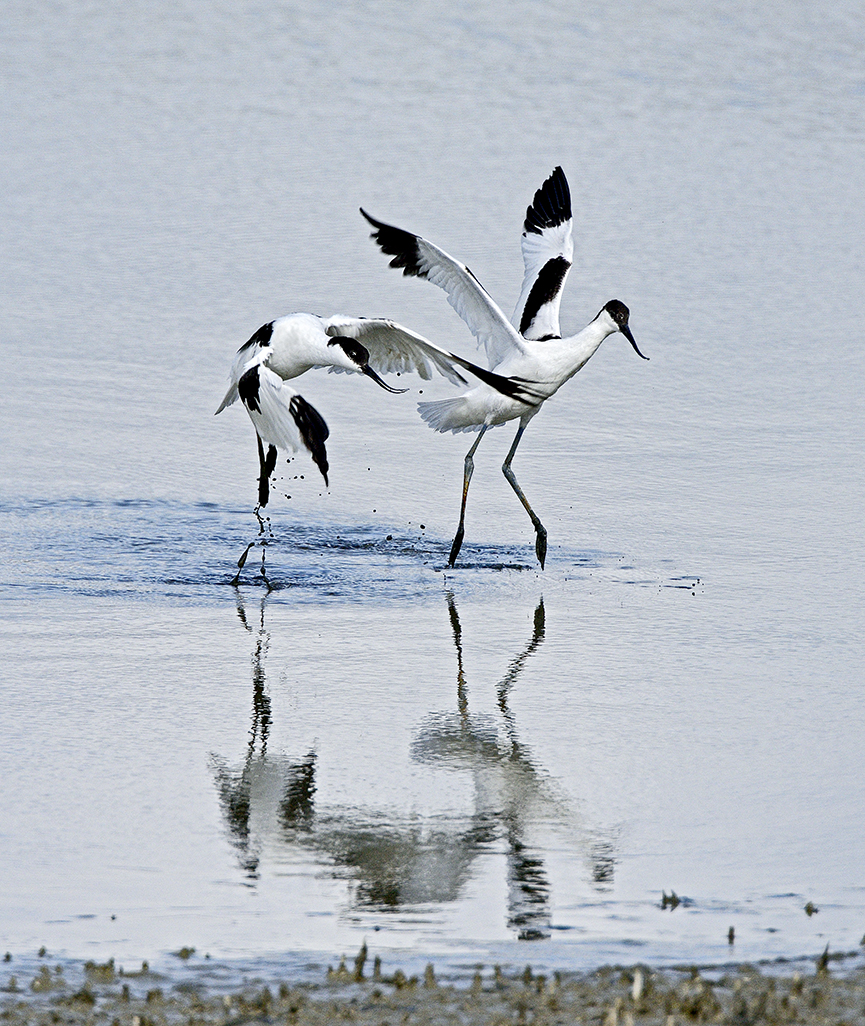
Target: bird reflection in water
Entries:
(509, 788)
(394, 859)
(248, 793)
(513, 795)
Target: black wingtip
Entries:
(397, 243)
(551, 205)
(313, 430)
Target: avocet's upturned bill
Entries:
(529, 353)
(289, 346)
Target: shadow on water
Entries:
(395, 860)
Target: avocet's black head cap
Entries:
(353, 349)
(359, 354)
(620, 314)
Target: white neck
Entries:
(583, 346)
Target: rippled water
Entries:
(489, 763)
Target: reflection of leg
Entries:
(540, 530)
(262, 570)
(516, 667)
(467, 476)
(241, 563)
(540, 625)
(261, 710)
(528, 889)
(462, 699)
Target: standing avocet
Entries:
(289, 346)
(530, 352)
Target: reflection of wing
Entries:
(548, 251)
(397, 863)
(297, 805)
(528, 889)
(233, 789)
(263, 789)
(465, 293)
(457, 741)
(394, 348)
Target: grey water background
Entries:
(489, 763)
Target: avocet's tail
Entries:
(454, 415)
(230, 397)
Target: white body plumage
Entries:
(528, 359)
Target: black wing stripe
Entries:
(547, 286)
(247, 389)
(508, 386)
(262, 337)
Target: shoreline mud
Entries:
(832, 992)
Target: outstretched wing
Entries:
(548, 251)
(465, 293)
(517, 388)
(281, 416)
(395, 349)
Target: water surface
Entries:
(486, 764)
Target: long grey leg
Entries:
(467, 476)
(540, 530)
(241, 563)
(268, 464)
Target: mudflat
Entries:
(612, 996)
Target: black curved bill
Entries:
(626, 331)
(370, 373)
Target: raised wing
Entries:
(466, 295)
(548, 251)
(281, 416)
(395, 349)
